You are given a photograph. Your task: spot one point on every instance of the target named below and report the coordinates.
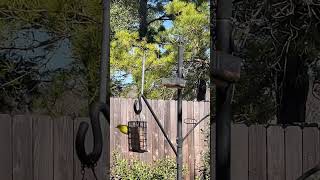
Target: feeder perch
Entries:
(174, 82)
(226, 68)
(137, 136)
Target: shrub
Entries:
(128, 169)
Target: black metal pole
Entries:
(104, 96)
(179, 123)
(223, 94)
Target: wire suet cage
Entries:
(137, 136)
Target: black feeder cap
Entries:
(226, 68)
(173, 82)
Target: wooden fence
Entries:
(193, 147)
(39, 147)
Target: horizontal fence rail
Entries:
(36, 147)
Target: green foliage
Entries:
(135, 169)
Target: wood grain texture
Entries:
(196, 136)
(161, 116)
(239, 152)
(293, 147)
(112, 128)
(63, 148)
(190, 141)
(310, 147)
(275, 152)
(6, 146)
(155, 137)
(22, 148)
(167, 126)
(42, 147)
(150, 121)
(257, 153)
(173, 124)
(117, 120)
(185, 148)
(124, 120)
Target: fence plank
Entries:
(22, 148)
(150, 120)
(239, 152)
(131, 117)
(275, 151)
(185, 148)
(124, 120)
(63, 148)
(310, 147)
(293, 147)
(155, 137)
(117, 121)
(112, 128)
(190, 140)
(173, 124)
(167, 127)
(257, 153)
(161, 116)
(42, 147)
(6, 148)
(196, 136)
(209, 138)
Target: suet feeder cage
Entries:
(137, 136)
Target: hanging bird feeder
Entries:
(137, 136)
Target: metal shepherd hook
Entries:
(89, 160)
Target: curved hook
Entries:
(136, 109)
(89, 160)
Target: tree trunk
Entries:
(143, 13)
(293, 92)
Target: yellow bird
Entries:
(123, 128)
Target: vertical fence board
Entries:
(112, 128)
(196, 136)
(167, 126)
(257, 153)
(161, 116)
(275, 151)
(293, 148)
(131, 117)
(124, 121)
(190, 141)
(239, 152)
(208, 138)
(63, 148)
(22, 148)
(6, 147)
(42, 148)
(173, 124)
(103, 169)
(310, 147)
(150, 121)
(185, 148)
(155, 138)
(117, 121)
